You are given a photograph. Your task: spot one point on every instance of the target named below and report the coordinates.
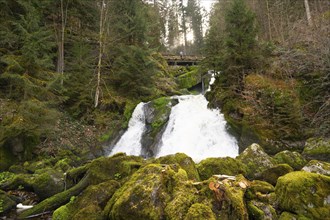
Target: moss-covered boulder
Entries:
(200, 211)
(154, 192)
(272, 174)
(89, 204)
(48, 183)
(256, 160)
(142, 197)
(304, 193)
(7, 158)
(259, 190)
(184, 161)
(6, 203)
(290, 216)
(318, 149)
(227, 165)
(320, 167)
(293, 158)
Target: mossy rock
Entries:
(256, 160)
(259, 190)
(6, 203)
(261, 211)
(272, 174)
(48, 183)
(189, 79)
(318, 149)
(200, 211)
(303, 193)
(293, 158)
(184, 161)
(227, 165)
(142, 197)
(116, 167)
(154, 192)
(291, 216)
(17, 169)
(320, 167)
(23, 181)
(89, 204)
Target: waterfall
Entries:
(130, 142)
(197, 131)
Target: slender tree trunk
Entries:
(99, 64)
(308, 13)
(268, 18)
(184, 27)
(60, 61)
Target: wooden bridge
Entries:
(185, 60)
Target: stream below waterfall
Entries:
(192, 129)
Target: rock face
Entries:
(228, 166)
(307, 194)
(256, 160)
(320, 167)
(318, 149)
(272, 174)
(294, 159)
(157, 113)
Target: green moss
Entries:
(259, 190)
(200, 211)
(272, 174)
(304, 193)
(288, 216)
(317, 148)
(254, 211)
(256, 160)
(62, 213)
(184, 161)
(211, 166)
(189, 79)
(142, 197)
(162, 111)
(48, 183)
(6, 158)
(294, 159)
(63, 165)
(91, 212)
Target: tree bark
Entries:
(308, 13)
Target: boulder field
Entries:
(253, 185)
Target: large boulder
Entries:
(256, 160)
(320, 167)
(227, 165)
(304, 193)
(200, 211)
(184, 161)
(293, 158)
(154, 192)
(318, 149)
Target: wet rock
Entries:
(318, 149)
(227, 165)
(272, 174)
(157, 113)
(259, 210)
(320, 167)
(293, 158)
(256, 160)
(306, 194)
(184, 161)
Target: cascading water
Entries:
(192, 129)
(197, 131)
(130, 142)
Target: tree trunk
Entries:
(99, 64)
(61, 38)
(308, 13)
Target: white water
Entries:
(197, 131)
(130, 142)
